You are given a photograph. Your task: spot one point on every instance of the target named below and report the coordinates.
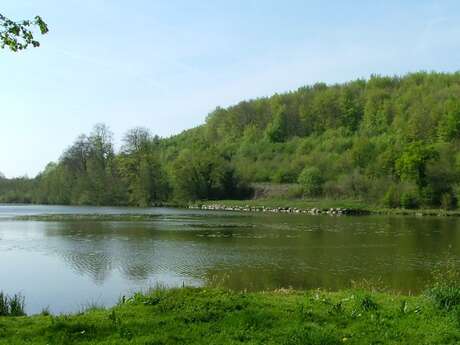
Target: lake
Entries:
(68, 265)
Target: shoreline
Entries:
(284, 206)
(311, 211)
(295, 207)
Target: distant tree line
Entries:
(89, 172)
(393, 141)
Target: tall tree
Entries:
(140, 168)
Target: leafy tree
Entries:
(19, 35)
(351, 106)
(205, 175)
(137, 140)
(277, 130)
(362, 152)
(411, 166)
(141, 170)
(410, 200)
(449, 126)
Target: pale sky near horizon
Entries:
(165, 65)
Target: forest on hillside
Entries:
(390, 141)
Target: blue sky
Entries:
(166, 64)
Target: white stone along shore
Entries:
(312, 211)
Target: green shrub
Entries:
(445, 291)
(446, 297)
(355, 185)
(311, 180)
(409, 200)
(392, 198)
(448, 201)
(284, 176)
(368, 304)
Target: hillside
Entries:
(391, 141)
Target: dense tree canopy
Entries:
(393, 141)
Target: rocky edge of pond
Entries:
(337, 211)
(333, 211)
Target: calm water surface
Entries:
(68, 265)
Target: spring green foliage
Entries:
(277, 130)
(140, 168)
(449, 126)
(311, 181)
(214, 316)
(387, 141)
(19, 35)
(16, 190)
(411, 165)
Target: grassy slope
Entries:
(212, 316)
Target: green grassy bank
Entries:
(214, 316)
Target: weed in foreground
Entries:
(12, 306)
(445, 291)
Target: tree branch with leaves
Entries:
(19, 35)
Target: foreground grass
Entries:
(214, 316)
